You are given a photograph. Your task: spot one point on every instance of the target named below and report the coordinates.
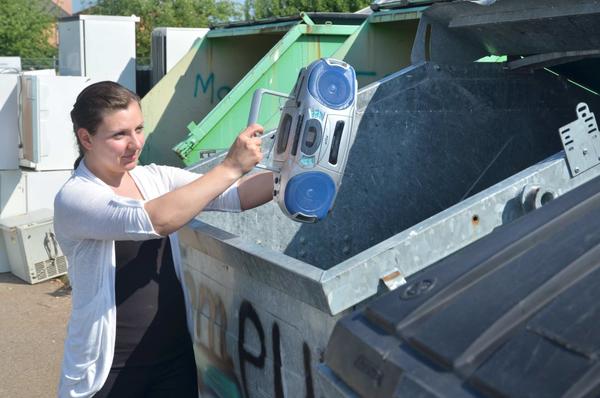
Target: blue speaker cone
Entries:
(332, 85)
(310, 194)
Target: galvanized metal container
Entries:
(426, 176)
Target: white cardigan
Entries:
(88, 218)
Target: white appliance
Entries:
(98, 46)
(12, 202)
(47, 137)
(10, 64)
(23, 191)
(169, 45)
(31, 245)
(9, 121)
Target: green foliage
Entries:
(278, 8)
(26, 28)
(168, 13)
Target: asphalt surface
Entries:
(33, 322)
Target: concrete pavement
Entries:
(33, 321)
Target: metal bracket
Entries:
(307, 20)
(184, 148)
(393, 279)
(580, 140)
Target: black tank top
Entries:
(151, 317)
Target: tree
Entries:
(26, 28)
(168, 13)
(270, 8)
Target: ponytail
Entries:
(77, 161)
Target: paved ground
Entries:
(33, 321)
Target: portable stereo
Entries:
(313, 138)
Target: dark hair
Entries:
(94, 103)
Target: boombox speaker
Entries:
(313, 138)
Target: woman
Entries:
(116, 222)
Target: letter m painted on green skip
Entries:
(200, 83)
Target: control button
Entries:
(307, 161)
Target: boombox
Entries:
(313, 138)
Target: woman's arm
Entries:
(255, 190)
(173, 210)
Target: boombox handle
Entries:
(257, 98)
(255, 109)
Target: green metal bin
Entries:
(204, 100)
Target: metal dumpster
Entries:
(266, 292)
(512, 315)
(365, 47)
(221, 110)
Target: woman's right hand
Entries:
(245, 152)
(174, 209)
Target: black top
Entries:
(151, 316)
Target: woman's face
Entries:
(118, 141)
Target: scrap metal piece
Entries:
(580, 140)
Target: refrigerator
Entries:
(47, 137)
(9, 121)
(101, 47)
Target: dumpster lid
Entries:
(500, 28)
(516, 313)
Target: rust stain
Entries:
(475, 220)
(391, 276)
(318, 40)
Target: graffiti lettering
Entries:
(205, 85)
(247, 311)
(216, 370)
(278, 381)
(217, 318)
(209, 83)
(222, 92)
